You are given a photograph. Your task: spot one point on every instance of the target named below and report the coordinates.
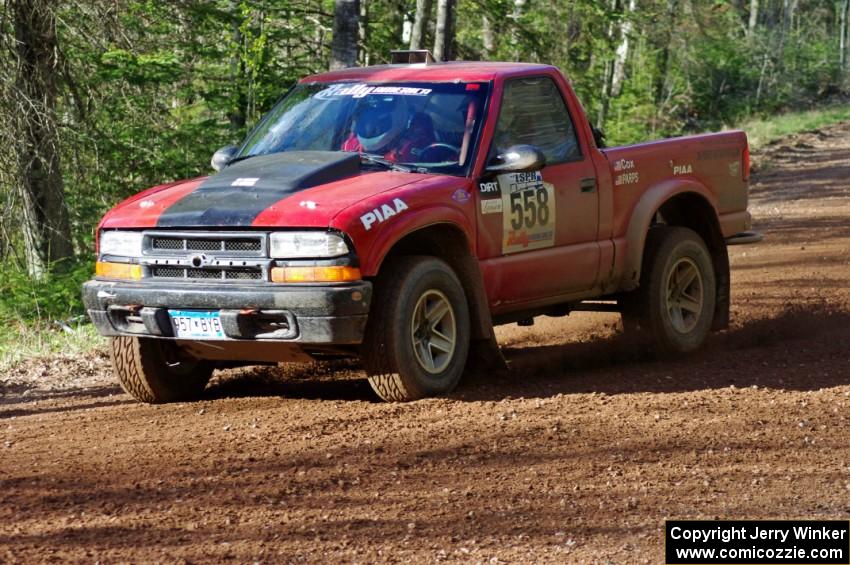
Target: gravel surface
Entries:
(578, 455)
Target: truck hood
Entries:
(298, 188)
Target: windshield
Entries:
(426, 127)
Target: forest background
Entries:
(102, 98)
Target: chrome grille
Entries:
(214, 244)
(206, 274)
(199, 256)
(243, 275)
(168, 272)
(169, 243)
(204, 244)
(242, 245)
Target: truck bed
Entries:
(715, 164)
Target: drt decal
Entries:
(528, 206)
(381, 214)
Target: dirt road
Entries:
(578, 456)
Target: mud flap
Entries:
(723, 282)
(486, 357)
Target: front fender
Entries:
(376, 224)
(391, 233)
(642, 217)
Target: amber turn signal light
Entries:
(315, 274)
(125, 271)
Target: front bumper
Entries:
(301, 314)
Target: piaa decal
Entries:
(381, 214)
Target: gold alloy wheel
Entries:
(433, 331)
(684, 296)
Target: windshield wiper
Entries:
(240, 158)
(378, 160)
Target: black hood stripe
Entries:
(238, 194)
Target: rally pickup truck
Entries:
(398, 213)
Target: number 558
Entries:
(529, 208)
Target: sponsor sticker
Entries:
(460, 196)
(245, 181)
(686, 169)
(490, 188)
(734, 168)
(362, 90)
(627, 178)
(528, 205)
(382, 213)
(491, 206)
(624, 165)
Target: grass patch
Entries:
(761, 132)
(26, 340)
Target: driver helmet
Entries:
(380, 121)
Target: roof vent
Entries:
(407, 57)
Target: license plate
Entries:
(196, 324)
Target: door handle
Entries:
(588, 184)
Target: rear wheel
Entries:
(157, 371)
(417, 337)
(676, 298)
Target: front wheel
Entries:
(677, 293)
(157, 371)
(417, 337)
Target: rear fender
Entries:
(642, 216)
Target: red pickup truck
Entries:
(398, 213)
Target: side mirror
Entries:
(518, 159)
(223, 156)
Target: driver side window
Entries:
(533, 113)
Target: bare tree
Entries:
(488, 37)
(444, 31)
(622, 53)
(346, 29)
(843, 33)
(30, 113)
(420, 23)
(754, 17)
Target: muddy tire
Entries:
(417, 336)
(155, 371)
(674, 306)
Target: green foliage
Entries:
(59, 297)
(765, 130)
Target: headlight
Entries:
(121, 243)
(293, 245)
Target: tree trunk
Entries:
(444, 32)
(788, 11)
(517, 14)
(663, 67)
(622, 53)
(488, 39)
(420, 24)
(363, 32)
(346, 28)
(46, 229)
(843, 33)
(239, 102)
(754, 17)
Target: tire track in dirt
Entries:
(578, 455)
